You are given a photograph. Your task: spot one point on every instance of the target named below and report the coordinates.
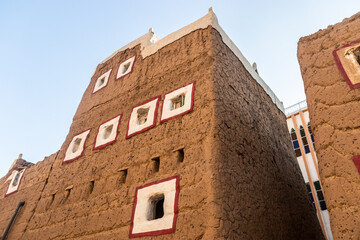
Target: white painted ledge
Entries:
(150, 44)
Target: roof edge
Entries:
(150, 44)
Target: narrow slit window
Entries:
(16, 179)
(91, 187)
(180, 155)
(67, 193)
(178, 102)
(123, 175)
(156, 207)
(156, 164)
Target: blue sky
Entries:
(49, 50)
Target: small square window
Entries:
(322, 205)
(15, 182)
(296, 144)
(76, 147)
(298, 152)
(304, 140)
(155, 208)
(293, 136)
(320, 195)
(311, 197)
(307, 149)
(102, 81)
(107, 132)
(143, 117)
(347, 59)
(125, 68)
(178, 102)
(317, 185)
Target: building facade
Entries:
(177, 138)
(330, 67)
(302, 139)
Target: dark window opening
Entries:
(181, 155)
(297, 152)
(52, 198)
(322, 205)
(320, 195)
(16, 179)
(76, 144)
(178, 102)
(126, 67)
(307, 149)
(293, 136)
(91, 188)
(357, 54)
(156, 210)
(142, 114)
(67, 193)
(156, 164)
(123, 175)
(317, 185)
(304, 140)
(108, 131)
(101, 81)
(302, 131)
(296, 144)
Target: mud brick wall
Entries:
(105, 212)
(238, 180)
(259, 189)
(334, 112)
(31, 187)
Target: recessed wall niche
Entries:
(155, 208)
(143, 117)
(125, 67)
(178, 102)
(102, 81)
(107, 132)
(76, 147)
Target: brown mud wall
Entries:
(259, 189)
(334, 112)
(105, 212)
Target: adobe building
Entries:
(330, 67)
(174, 138)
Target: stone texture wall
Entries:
(241, 190)
(334, 112)
(259, 188)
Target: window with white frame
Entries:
(125, 67)
(15, 182)
(107, 132)
(143, 117)
(155, 208)
(178, 102)
(102, 81)
(76, 147)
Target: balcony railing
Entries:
(295, 108)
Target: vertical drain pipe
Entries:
(20, 204)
